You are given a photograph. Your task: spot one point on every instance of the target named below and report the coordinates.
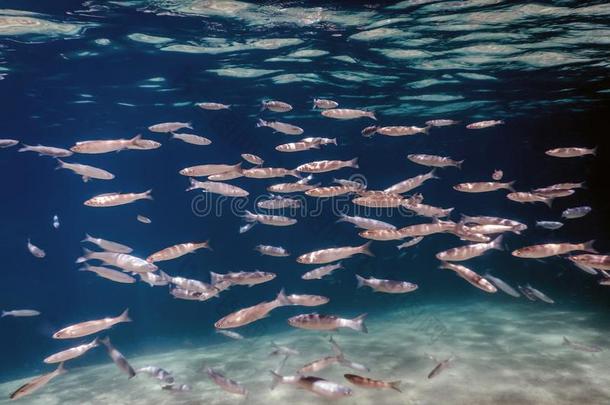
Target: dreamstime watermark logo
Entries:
(211, 204)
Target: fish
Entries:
(307, 300)
(402, 130)
(324, 256)
(269, 172)
(184, 294)
(298, 186)
(502, 285)
(412, 242)
(196, 285)
(251, 314)
(20, 313)
(144, 144)
(469, 251)
(283, 350)
(319, 272)
(320, 140)
(577, 212)
(571, 152)
(299, 146)
(553, 249)
(324, 104)
(217, 187)
(213, 106)
(441, 123)
(318, 365)
(226, 383)
(265, 219)
(71, 353)
(7, 143)
(586, 269)
(483, 187)
(282, 127)
(366, 382)
(369, 131)
(35, 250)
(435, 161)
(540, 295)
(109, 274)
(411, 183)
(553, 193)
(465, 232)
(226, 176)
(176, 251)
(46, 151)
(316, 321)
(121, 260)
(192, 139)
(365, 223)
(118, 358)
(230, 334)
(440, 367)
(177, 387)
(487, 220)
(378, 199)
(386, 286)
(156, 372)
(343, 360)
(167, 127)
(552, 225)
(324, 388)
(56, 223)
(484, 124)
(560, 186)
(107, 245)
(497, 175)
(525, 197)
(487, 229)
(153, 279)
(37, 382)
(600, 262)
(106, 146)
(277, 202)
(275, 106)
(90, 327)
(348, 114)
(242, 278)
(581, 346)
(424, 210)
(116, 199)
(527, 293)
(323, 166)
(470, 276)
(143, 219)
(209, 170)
(275, 251)
(331, 191)
(86, 172)
(250, 158)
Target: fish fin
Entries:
(365, 249)
(548, 201)
(193, 184)
(25, 148)
(432, 174)
(341, 219)
(61, 369)
(135, 139)
(4, 313)
(189, 125)
(360, 280)
(261, 123)
(86, 179)
(95, 342)
(88, 238)
(358, 323)
(124, 317)
(295, 173)
(214, 277)
(497, 243)
(594, 151)
(282, 298)
(354, 163)
(277, 379)
(337, 349)
(395, 385)
(147, 194)
(426, 129)
(509, 186)
(206, 245)
(588, 247)
(458, 164)
(86, 254)
(371, 115)
(61, 164)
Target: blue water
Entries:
(550, 87)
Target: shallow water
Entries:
(72, 71)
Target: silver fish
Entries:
(71, 353)
(282, 127)
(226, 383)
(577, 212)
(46, 151)
(35, 250)
(552, 225)
(37, 382)
(20, 313)
(107, 245)
(118, 358)
(502, 285)
(582, 347)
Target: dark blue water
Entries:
(545, 105)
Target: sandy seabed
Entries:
(505, 354)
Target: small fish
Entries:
(553, 249)
(409, 243)
(366, 382)
(283, 350)
(483, 187)
(118, 358)
(484, 124)
(327, 322)
(298, 186)
(230, 334)
(307, 300)
(577, 212)
(571, 152)
(217, 187)
(107, 245)
(323, 166)
(90, 327)
(176, 251)
(600, 262)
(441, 123)
(113, 145)
(213, 106)
(156, 372)
(56, 223)
(46, 151)
(318, 273)
(386, 286)
(424, 210)
(282, 127)
(192, 139)
(298, 146)
(435, 161)
(502, 285)
(251, 314)
(143, 219)
(524, 197)
(273, 220)
(469, 251)
(581, 346)
(470, 276)
(332, 191)
(497, 175)
(71, 353)
(86, 172)
(487, 220)
(226, 383)
(121, 260)
(116, 199)
(348, 114)
(277, 202)
(269, 172)
(7, 143)
(248, 278)
(411, 183)
(20, 313)
(369, 131)
(324, 104)
(365, 223)
(552, 225)
(177, 387)
(540, 295)
(324, 256)
(110, 274)
(35, 250)
(167, 127)
(275, 106)
(440, 367)
(318, 365)
(37, 382)
(324, 388)
(250, 158)
(209, 170)
(402, 130)
(275, 251)
(153, 279)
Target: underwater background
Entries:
(74, 71)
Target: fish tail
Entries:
(282, 299)
(548, 201)
(371, 115)
(61, 164)
(4, 313)
(360, 280)
(95, 342)
(334, 141)
(358, 323)
(337, 349)
(366, 249)
(295, 173)
(85, 267)
(432, 174)
(594, 151)
(61, 369)
(395, 385)
(249, 216)
(88, 238)
(193, 184)
(124, 317)
(215, 278)
(342, 218)
(25, 148)
(588, 247)
(206, 245)
(135, 139)
(354, 163)
(86, 255)
(261, 123)
(426, 129)
(497, 243)
(277, 379)
(147, 194)
(458, 164)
